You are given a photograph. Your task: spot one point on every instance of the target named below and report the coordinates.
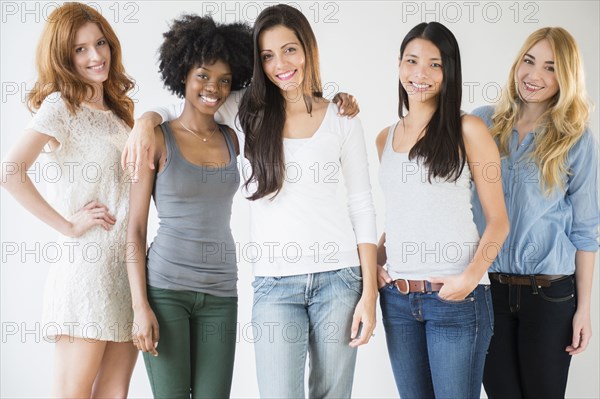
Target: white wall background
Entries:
(359, 44)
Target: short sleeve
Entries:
(52, 118)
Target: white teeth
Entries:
(97, 67)
(209, 99)
(420, 86)
(532, 87)
(285, 75)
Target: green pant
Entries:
(196, 348)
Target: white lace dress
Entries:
(87, 292)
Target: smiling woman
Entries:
(449, 295)
(543, 296)
(313, 291)
(83, 114)
(535, 74)
(92, 54)
(358, 47)
(186, 283)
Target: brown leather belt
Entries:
(540, 280)
(422, 286)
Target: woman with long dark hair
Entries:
(435, 295)
(315, 271)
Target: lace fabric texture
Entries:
(87, 292)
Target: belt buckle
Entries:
(407, 286)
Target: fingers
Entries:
(143, 157)
(353, 109)
(579, 343)
(102, 213)
(94, 213)
(365, 331)
(347, 105)
(576, 338)
(146, 341)
(150, 155)
(383, 277)
(151, 344)
(355, 328)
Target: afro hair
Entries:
(193, 41)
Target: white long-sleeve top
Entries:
(304, 229)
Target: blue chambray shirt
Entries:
(545, 231)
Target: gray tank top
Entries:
(429, 227)
(194, 248)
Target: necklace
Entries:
(204, 139)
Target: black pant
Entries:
(532, 328)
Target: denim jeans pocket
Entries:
(352, 277)
(469, 298)
(560, 291)
(262, 286)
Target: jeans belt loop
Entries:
(534, 285)
(503, 279)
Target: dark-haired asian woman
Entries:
(435, 294)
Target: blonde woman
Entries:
(541, 280)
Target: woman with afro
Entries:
(184, 289)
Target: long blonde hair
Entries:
(565, 119)
(54, 62)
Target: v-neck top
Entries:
(305, 229)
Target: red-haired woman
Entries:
(83, 116)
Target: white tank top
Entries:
(429, 227)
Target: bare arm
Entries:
(146, 329)
(16, 181)
(582, 324)
(140, 146)
(484, 162)
(383, 276)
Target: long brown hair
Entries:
(56, 72)
(564, 121)
(263, 129)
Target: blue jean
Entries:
(437, 347)
(296, 315)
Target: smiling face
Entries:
(91, 54)
(207, 86)
(283, 57)
(535, 76)
(421, 71)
